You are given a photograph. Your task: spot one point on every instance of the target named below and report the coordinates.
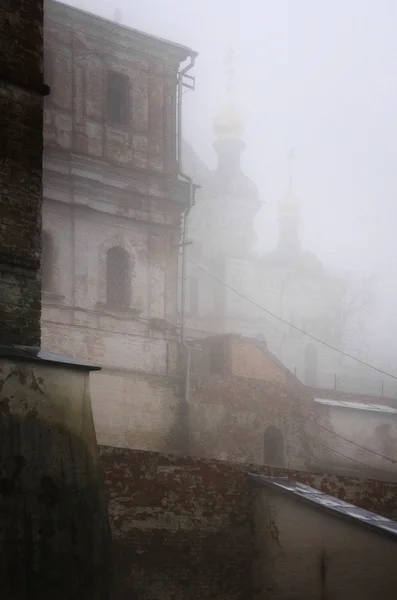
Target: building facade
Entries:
(112, 211)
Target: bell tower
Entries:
(232, 200)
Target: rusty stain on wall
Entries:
(184, 525)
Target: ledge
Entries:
(29, 354)
(51, 296)
(329, 504)
(125, 311)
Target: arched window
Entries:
(118, 277)
(273, 447)
(311, 365)
(47, 262)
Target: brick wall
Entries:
(81, 50)
(182, 527)
(247, 360)
(21, 91)
(228, 417)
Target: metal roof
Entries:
(45, 356)
(383, 408)
(330, 504)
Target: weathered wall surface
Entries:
(21, 124)
(305, 552)
(183, 527)
(81, 50)
(109, 184)
(134, 410)
(371, 435)
(54, 526)
(228, 418)
(247, 360)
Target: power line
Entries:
(143, 319)
(313, 337)
(359, 462)
(356, 444)
(317, 441)
(325, 344)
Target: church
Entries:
(113, 204)
(232, 288)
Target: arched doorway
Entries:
(273, 447)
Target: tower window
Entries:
(118, 277)
(47, 261)
(117, 97)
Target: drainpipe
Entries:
(181, 74)
(183, 293)
(192, 188)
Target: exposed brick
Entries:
(21, 143)
(182, 527)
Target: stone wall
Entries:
(183, 527)
(21, 124)
(228, 417)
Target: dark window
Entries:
(117, 97)
(194, 296)
(47, 261)
(273, 447)
(217, 358)
(311, 365)
(118, 277)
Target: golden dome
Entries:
(228, 124)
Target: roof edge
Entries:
(184, 51)
(329, 504)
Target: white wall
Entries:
(304, 553)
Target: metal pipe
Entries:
(183, 262)
(189, 180)
(181, 73)
(187, 377)
(191, 185)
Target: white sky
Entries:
(316, 75)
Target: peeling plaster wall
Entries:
(304, 552)
(108, 185)
(54, 525)
(136, 411)
(183, 527)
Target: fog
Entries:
(318, 77)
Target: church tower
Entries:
(223, 217)
(220, 225)
(289, 253)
